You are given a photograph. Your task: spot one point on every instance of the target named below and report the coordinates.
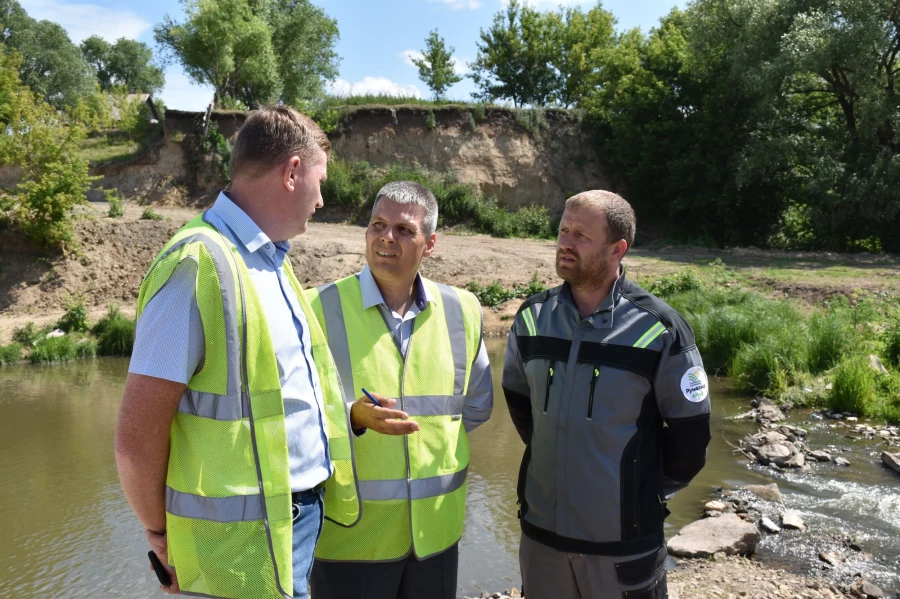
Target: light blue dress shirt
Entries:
(479, 400)
(169, 340)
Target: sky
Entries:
(378, 37)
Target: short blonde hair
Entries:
(620, 219)
(272, 134)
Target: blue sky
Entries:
(377, 36)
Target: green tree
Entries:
(436, 66)
(43, 142)
(253, 51)
(51, 65)
(127, 64)
(514, 60)
(304, 40)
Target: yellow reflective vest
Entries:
(412, 487)
(228, 495)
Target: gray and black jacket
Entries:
(614, 412)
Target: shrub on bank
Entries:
(75, 319)
(62, 349)
(353, 186)
(114, 333)
(10, 354)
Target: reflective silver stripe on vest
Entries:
(239, 508)
(433, 405)
(383, 490)
(337, 337)
(229, 304)
(211, 405)
(456, 326)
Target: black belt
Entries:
(296, 496)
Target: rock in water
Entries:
(820, 456)
(715, 506)
(891, 460)
(870, 591)
(727, 534)
(842, 461)
(769, 526)
(791, 519)
(767, 492)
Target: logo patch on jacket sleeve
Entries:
(695, 384)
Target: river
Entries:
(68, 532)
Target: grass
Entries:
(150, 214)
(386, 100)
(62, 349)
(111, 146)
(10, 354)
(782, 349)
(353, 186)
(114, 333)
(495, 294)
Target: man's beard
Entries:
(584, 273)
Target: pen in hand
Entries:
(372, 399)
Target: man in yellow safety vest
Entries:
(402, 337)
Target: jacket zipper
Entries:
(591, 400)
(549, 382)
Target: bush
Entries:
(891, 338)
(853, 386)
(430, 121)
(75, 318)
(149, 214)
(771, 364)
(115, 334)
(62, 349)
(478, 112)
(531, 119)
(471, 125)
(495, 294)
(116, 208)
(830, 337)
(27, 334)
(10, 354)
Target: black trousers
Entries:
(408, 578)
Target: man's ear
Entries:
(290, 171)
(619, 249)
(430, 242)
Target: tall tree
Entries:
(514, 60)
(253, 51)
(127, 64)
(304, 40)
(577, 37)
(436, 66)
(51, 65)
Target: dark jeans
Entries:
(408, 578)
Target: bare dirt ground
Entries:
(36, 286)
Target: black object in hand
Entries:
(161, 573)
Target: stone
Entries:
(767, 411)
(796, 461)
(791, 519)
(829, 387)
(870, 591)
(820, 456)
(773, 438)
(715, 506)
(891, 460)
(767, 525)
(876, 365)
(727, 534)
(775, 453)
(830, 558)
(852, 418)
(768, 492)
(711, 514)
(885, 434)
(842, 461)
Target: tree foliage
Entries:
(436, 66)
(126, 64)
(51, 65)
(253, 51)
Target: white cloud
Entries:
(549, 4)
(459, 64)
(180, 93)
(372, 86)
(84, 20)
(460, 4)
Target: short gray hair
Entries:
(410, 192)
(620, 219)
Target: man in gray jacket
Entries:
(606, 387)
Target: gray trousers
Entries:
(551, 574)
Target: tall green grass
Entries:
(114, 333)
(353, 186)
(10, 354)
(62, 349)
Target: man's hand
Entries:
(365, 414)
(161, 548)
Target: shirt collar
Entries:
(565, 295)
(243, 227)
(371, 294)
